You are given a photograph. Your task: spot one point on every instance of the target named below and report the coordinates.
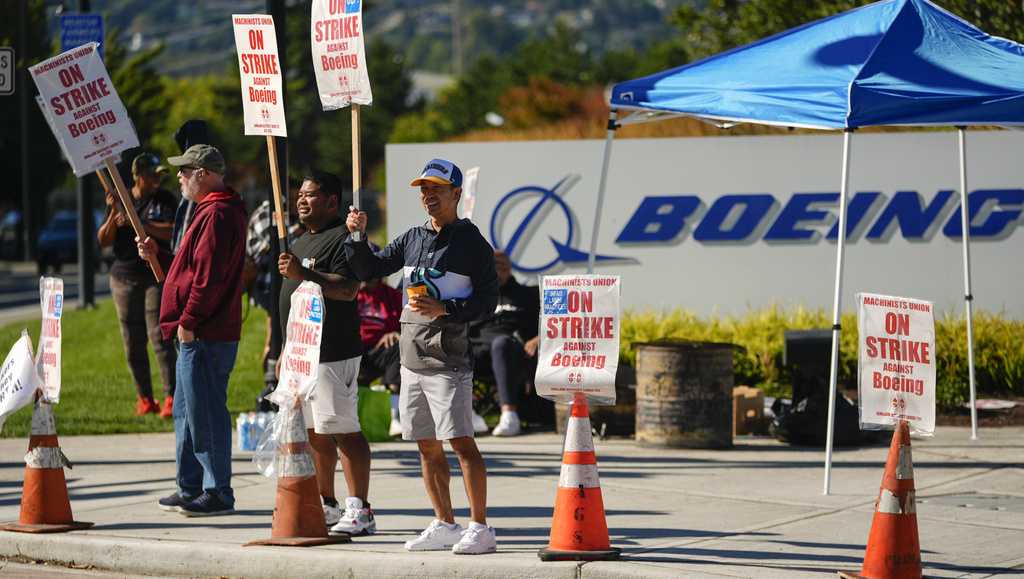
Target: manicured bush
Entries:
(998, 347)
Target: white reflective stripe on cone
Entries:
(578, 437)
(574, 475)
(295, 465)
(890, 504)
(904, 464)
(42, 420)
(44, 457)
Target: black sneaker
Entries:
(172, 503)
(207, 505)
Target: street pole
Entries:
(86, 229)
(22, 86)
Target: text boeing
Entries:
(994, 214)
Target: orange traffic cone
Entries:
(45, 507)
(579, 531)
(893, 550)
(298, 517)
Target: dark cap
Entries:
(204, 156)
(147, 164)
(439, 171)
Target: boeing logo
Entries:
(532, 211)
(534, 206)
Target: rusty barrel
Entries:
(684, 394)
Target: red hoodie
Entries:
(379, 311)
(203, 289)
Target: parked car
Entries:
(58, 241)
(10, 236)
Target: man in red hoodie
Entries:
(201, 307)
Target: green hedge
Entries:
(998, 347)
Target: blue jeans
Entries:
(202, 424)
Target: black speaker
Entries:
(807, 356)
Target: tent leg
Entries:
(968, 297)
(613, 125)
(837, 312)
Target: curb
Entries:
(189, 559)
(181, 558)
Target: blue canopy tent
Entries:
(894, 62)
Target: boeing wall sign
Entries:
(721, 225)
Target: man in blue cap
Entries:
(450, 280)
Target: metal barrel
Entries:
(684, 394)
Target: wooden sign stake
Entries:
(129, 209)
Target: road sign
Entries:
(79, 29)
(6, 70)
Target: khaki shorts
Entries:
(334, 406)
(436, 405)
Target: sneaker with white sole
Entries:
(396, 426)
(332, 514)
(509, 425)
(477, 540)
(438, 536)
(357, 520)
(478, 423)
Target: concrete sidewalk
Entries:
(756, 511)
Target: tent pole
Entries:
(613, 125)
(965, 222)
(837, 312)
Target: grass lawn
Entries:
(98, 396)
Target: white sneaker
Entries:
(396, 425)
(357, 520)
(477, 540)
(478, 423)
(438, 536)
(509, 425)
(331, 514)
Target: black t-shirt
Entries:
(517, 314)
(156, 208)
(324, 252)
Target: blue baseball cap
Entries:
(439, 171)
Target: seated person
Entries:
(505, 345)
(380, 307)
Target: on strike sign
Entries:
(339, 58)
(301, 356)
(896, 362)
(262, 97)
(88, 117)
(51, 298)
(579, 345)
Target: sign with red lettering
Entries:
(339, 58)
(896, 362)
(301, 355)
(51, 298)
(86, 114)
(262, 95)
(579, 337)
(18, 378)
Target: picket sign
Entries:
(89, 120)
(579, 337)
(896, 362)
(262, 93)
(48, 356)
(469, 181)
(300, 357)
(339, 61)
(18, 378)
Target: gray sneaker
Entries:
(207, 505)
(357, 520)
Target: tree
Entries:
(46, 168)
(725, 24)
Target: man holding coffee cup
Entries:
(450, 280)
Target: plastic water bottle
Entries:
(242, 427)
